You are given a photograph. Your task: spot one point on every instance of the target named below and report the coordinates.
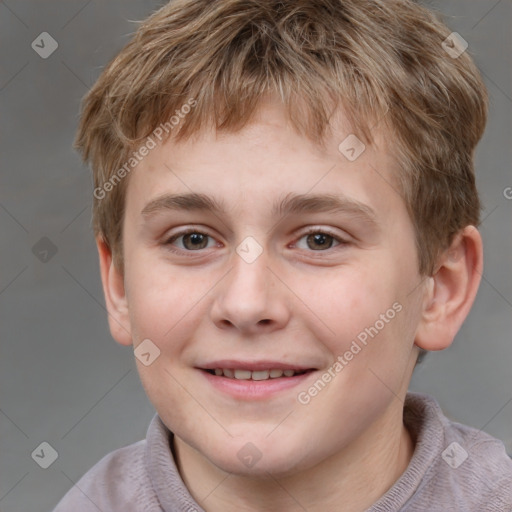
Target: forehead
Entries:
(266, 163)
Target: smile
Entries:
(258, 381)
(254, 375)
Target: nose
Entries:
(251, 298)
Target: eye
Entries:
(193, 240)
(320, 240)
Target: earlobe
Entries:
(115, 296)
(451, 291)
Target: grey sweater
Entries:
(453, 468)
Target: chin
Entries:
(260, 458)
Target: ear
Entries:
(115, 296)
(451, 291)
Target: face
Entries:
(308, 264)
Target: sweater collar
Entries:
(170, 489)
(422, 417)
(425, 422)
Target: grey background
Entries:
(63, 379)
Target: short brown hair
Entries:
(380, 61)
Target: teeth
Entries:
(255, 375)
(242, 374)
(262, 375)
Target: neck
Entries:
(350, 480)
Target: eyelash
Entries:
(173, 238)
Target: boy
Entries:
(285, 211)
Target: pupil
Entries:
(196, 239)
(319, 239)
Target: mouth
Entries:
(256, 380)
(255, 375)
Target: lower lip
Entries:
(254, 389)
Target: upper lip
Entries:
(253, 365)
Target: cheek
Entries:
(163, 302)
(347, 302)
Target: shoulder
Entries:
(116, 479)
(468, 468)
(479, 466)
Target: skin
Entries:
(296, 303)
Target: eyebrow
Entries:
(290, 204)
